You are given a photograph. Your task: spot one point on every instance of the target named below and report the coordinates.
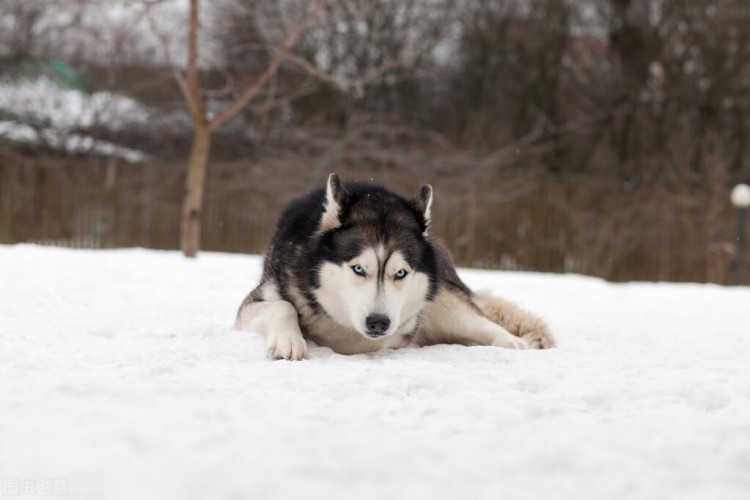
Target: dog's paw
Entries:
(509, 341)
(539, 338)
(289, 346)
(540, 342)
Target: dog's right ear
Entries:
(335, 194)
(423, 203)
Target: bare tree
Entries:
(206, 123)
(274, 23)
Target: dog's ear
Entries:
(335, 194)
(423, 203)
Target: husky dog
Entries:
(354, 268)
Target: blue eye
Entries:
(358, 270)
(401, 274)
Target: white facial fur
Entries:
(349, 298)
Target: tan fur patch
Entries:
(453, 318)
(516, 320)
(330, 219)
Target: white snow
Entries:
(69, 142)
(57, 113)
(121, 377)
(42, 100)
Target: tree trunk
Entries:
(190, 228)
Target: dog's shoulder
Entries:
(447, 277)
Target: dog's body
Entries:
(353, 268)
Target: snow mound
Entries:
(50, 116)
(43, 101)
(68, 142)
(121, 378)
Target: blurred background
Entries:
(600, 137)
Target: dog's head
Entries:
(375, 267)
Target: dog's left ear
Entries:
(423, 203)
(335, 194)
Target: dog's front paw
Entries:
(540, 341)
(511, 342)
(289, 346)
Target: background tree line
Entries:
(598, 137)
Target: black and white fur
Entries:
(354, 268)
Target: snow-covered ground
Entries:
(121, 378)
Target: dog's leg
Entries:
(450, 320)
(277, 321)
(519, 322)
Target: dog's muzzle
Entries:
(377, 325)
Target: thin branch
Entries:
(289, 42)
(178, 76)
(193, 81)
(311, 70)
(341, 82)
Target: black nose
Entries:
(377, 324)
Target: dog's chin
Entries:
(374, 335)
(407, 326)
